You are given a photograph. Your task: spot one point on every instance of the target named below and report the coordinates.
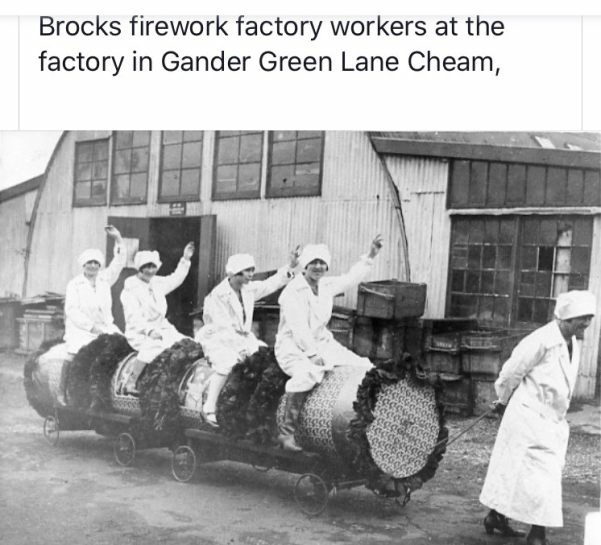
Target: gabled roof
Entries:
(24, 187)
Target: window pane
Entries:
(457, 280)
(172, 137)
(529, 254)
(121, 186)
(138, 185)
(524, 310)
(581, 259)
(190, 182)
(123, 139)
(307, 175)
(502, 283)
(84, 152)
(473, 256)
(83, 190)
(139, 160)
(279, 136)
(226, 179)
(488, 281)
(503, 257)
(101, 151)
(282, 177)
(309, 134)
(98, 188)
(227, 150)
(171, 157)
(249, 176)
(308, 150)
(283, 153)
(192, 154)
(83, 172)
(473, 282)
(122, 161)
(100, 171)
(170, 183)
(193, 136)
(250, 148)
(141, 138)
(489, 255)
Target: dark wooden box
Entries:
(391, 299)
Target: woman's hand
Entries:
(189, 251)
(317, 360)
(294, 255)
(376, 246)
(114, 233)
(155, 335)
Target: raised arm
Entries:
(175, 279)
(359, 271)
(113, 270)
(262, 288)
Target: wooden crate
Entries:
(34, 330)
(485, 352)
(457, 395)
(378, 339)
(342, 324)
(391, 299)
(483, 392)
(265, 323)
(442, 361)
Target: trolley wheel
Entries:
(124, 449)
(311, 494)
(51, 430)
(183, 463)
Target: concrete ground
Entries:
(75, 493)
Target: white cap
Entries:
(314, 251)
(91, 254)
(145, 257)
(574, 304)
(238, 262)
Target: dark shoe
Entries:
(536, 536)
(495, 521)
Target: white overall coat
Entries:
(145, 308)
(303, 331)
(227, 336)
(523, 481)
(88, 306)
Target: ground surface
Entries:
(75, 493)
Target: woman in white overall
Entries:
(145, 307)
(88, 302)
(536, 383)
(226, 337)
(305, 349)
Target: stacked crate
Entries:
(386, 323)
(42, 321)
(483, 354)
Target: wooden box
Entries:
(378, 339)
(483, 392)
(485, 352)
(342, 325)
(34, 330)
(457, 395)
(391, 299)
(9, 311)
(442, 361)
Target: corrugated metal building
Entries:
(16, 207)
(494, 223)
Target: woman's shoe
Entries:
(495, 521)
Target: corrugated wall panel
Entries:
(590, 360)
(422, 184)
(14, 214)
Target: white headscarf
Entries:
(145, 257)
(91, 254)
(315, 251)
(574, 304)
(238, 262)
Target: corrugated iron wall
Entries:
(422, 184)
(14, 216)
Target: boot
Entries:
(536, 536)
(293, 403)
(216, 384)
(496, 521)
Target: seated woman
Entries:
(305, 349)
(226, 338)
(144, 304)
(88, 302)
